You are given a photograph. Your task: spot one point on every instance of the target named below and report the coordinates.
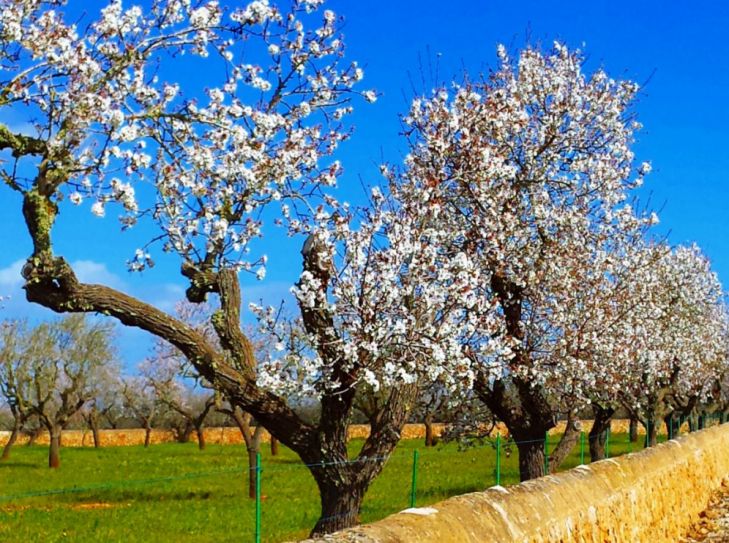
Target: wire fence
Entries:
(504, 462)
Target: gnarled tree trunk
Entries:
(340, 508)
(599, 432)
(526, 413)
(567, 442)
(531, 456)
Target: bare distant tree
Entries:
(106, 407)
(12, 372)
(140, 404)
(59, 362)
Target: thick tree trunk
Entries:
(54, 449)
(147, 434)
(531, 458)
(11, 441)
(568, 441)
(651, 433)
(274, 446)
(341, 503)
(633, 430)
(702, 421)
(599, 431)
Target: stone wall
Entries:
(651, 496)
(134, 436)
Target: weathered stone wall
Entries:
(134, 436)
(651, 496)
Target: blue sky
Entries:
(678, 52)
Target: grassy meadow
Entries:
(174, 492)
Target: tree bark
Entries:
(147, 434)
(633, 430)
(252, 440)
(340, 506)
(54, 456)
(11, 441)
(430, 439)
(531, 458)
(96, 434)
(651, 433)
(673, 425)
(274, 446)
(526, 413)
(599, 431)
(568, 441)
(200, 437)
(252, 456)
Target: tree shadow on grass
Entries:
(17, 464)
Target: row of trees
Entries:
(501, 263)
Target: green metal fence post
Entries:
(546, 457)
(498, 459)
(582, 447)
(607, 442)
(258, 498)
(414, 483)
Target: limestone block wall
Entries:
(651, 496)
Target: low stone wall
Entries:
(231, 436)
(651, 496)
(225, 436)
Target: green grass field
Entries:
(174, 492)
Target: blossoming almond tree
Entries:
(676, 338)
(111, 122)
(528, 171)
(373, 313)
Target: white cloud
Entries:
(10, 277)
(89, 271)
